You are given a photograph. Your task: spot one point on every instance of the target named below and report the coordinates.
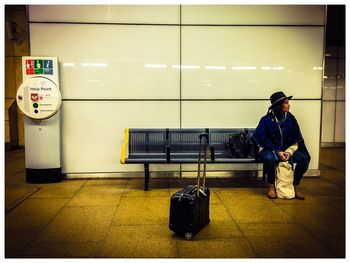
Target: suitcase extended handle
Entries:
(201, 136)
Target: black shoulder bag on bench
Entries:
(240, 146)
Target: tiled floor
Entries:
(116, 219)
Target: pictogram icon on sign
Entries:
(38, 64)
(38, 67)
(48, 67)
(34, 96)
(29, 67)
(48, 63)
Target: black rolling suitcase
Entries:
(189, 207)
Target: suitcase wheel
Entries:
(188, 236)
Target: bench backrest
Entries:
(146, 142)
(179, 144)
(184, 143)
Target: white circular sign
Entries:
(38, 98)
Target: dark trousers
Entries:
(302, 163)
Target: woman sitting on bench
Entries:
(279, 138)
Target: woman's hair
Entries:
(277, 110)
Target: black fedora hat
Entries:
(278, 98)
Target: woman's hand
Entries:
(284, 156)
(281, 156)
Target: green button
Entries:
(35, 105)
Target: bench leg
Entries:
(146, 165)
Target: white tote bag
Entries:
(284, 181)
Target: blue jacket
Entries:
(270, 137)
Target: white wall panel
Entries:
(165, 14)
(253, 14)
(105, 61)
(93, 132)
(222, 114)
(230, 114)
(328, 109)
(251, 62)
(339, 134)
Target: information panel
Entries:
(38, 98)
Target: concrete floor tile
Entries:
(320, 220)
(333, 176)
(151, 192)
(334, 244)
(34, 212)
(337, 202)
(136, 183)
(248, 201)
(16, 166)
(116, 182)
(14, 196)
(15, 162)
(333, 157)
(154, 183)
(257, 211)
(321, 187)
(233, 195)
(221, 225)
(288, 247)
(64, 189)
(309, 199)
(214, 199)
(17, 238)
(147, 241)
(294, 201)
(97, 195)
(251, 205)
(218, 248)
(15, 179)
(79, 224)
(13, 155)
(142, 211)
(62, 250)
(272, 230)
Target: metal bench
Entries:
(150, 146)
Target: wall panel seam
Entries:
(180, 71)
(101, 23)
(254, 25)
(179, 100)
(177, 24)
